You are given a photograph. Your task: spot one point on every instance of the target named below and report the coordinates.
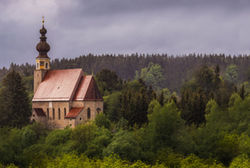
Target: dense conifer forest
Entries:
(176, 69)
(159, 111)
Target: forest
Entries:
(159, 112)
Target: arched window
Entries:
(48, 113)
(64, 112)
(59, 114)
(53, 114)
(98, 110)
(88, 113)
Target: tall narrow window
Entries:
(46, 65)
(37, 65)
(48, 113)
(59, 114)
(53, 114)
(88, 113)
(64, 112)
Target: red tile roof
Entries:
(66, 85)
(74, 112)
(93, 92)
(82, 88)
(39, 112)
(58, 85)
(87, 89)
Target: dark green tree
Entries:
(102, 120)
(15, 108)
(160, 98)
(193, 106)
(112, 106)
(135, 99)
(164, 126)
(196, 93)
(108, 81)
(242, 92)
(206, 79)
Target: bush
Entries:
(102, 121)
(125, 145)
(241, 161)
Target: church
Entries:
(63, 97)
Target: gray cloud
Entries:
(78, 27)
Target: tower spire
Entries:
(42, 60)
(43, 47)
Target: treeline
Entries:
(176, 70)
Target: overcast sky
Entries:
(77, 27)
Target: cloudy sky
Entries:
(77, 27)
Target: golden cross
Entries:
(43, 20)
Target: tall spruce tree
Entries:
(108, 81)
(135, 98)
(14, 102)
(196, 93)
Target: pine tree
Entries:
(14, 102)
(161, 98)
(135, 99)
(195, 95)
(217, 79)
(242, 92)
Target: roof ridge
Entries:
(76, 85)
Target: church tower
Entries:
(42, 60)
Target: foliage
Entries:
(153, 104)
(125, 145)
(167, 157)
(231, 73)
(226, 132)
(194, 161)
(196, 93)
(15, 142)
(165, 123)
(15, 108)
(112, 106)
(58, 141)
(135, 99)
(241, 161)
(83, 135)
(108, 81)
(238, 113)
(101, 120)
(70, 161)
(97, 146)
(152, 75)
(227, 148)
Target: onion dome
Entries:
(43, 47)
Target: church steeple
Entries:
(42, 60)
